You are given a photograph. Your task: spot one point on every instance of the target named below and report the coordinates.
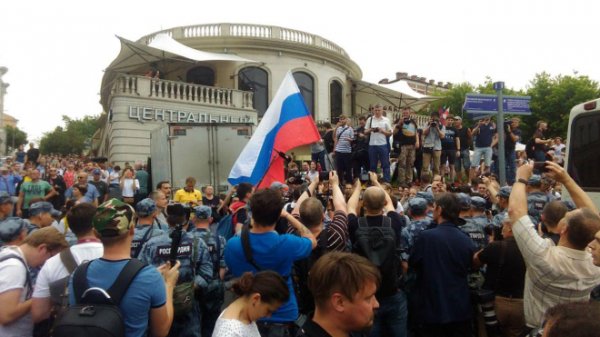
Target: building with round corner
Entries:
(227, 73)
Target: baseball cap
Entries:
(113, 218)
(10, 228)
(43, 207)
(535, 180)
(504, 192)
(425, 195)
(96, 171)
(478, 202)
(417, 204)
(203, 212)
(457, 118)
(145, 207)
(5, 198)
(464, 200)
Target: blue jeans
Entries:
(380, 153)
(391, 317)
(464, 161)
(486, 153)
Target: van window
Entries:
(584, 157)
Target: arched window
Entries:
(256, 80)
(201, 75)
(335, 99)
(306, 84)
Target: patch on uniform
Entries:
(184, 250)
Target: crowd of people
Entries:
(334, 250)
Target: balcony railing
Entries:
(142, 86)
(247, 30)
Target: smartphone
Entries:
(540, 166)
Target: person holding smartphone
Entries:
(380, 129)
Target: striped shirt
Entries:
(555, 274)
(337, 232)
(344, 136)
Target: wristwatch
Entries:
(521, 180)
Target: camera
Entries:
(376, 129)
(324, 176)
(433, 124)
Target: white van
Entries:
(583, 148)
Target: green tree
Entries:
(14, 138)
(72, 138)
(454, 98)
(552, 99)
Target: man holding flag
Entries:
(287, 124)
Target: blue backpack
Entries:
(226, 226)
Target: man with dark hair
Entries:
(148, 303)
(238, 208)
(442, 259)
(553, 212)
(15, 280)
(433, 134)
(555, 273)
(578, 319)
(360, 150)
(6, 205)
(165, 187)
(381, 216)
(33, 189)
(270, 251)
(100, 185)
(32, 155)
(88, 248)
(539, 141)
(343, 286)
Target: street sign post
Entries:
(480, 106)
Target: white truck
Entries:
(205, 151)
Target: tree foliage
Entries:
(72, 138)
(14, 138)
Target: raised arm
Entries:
(299, 227)
(580, 198)
(310, 191)
(353, 201)
(389, 205)
(339, 203)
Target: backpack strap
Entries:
(67, 259)
(80, 282)
(362, 222)
(387, 222)
(217, 263)
(126, 276)
(28, 283)
(195, 254)
(245, 237)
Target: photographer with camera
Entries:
(344, 135)
(408, 137)
(484, 133)
(379, 129)
(432, 144)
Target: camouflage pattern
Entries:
(10, 228)
(478, 203)
(156, 252)
(475, 228)
(212, 296)
(410, 234)
(504, 192)
(5, 198)
(536, 201)
(145, 207)
(464, 201)
(43, 207)
(138, 236)
(417, 204)
(498, 218)
(426, 195)
(202, 212)
(113, 218)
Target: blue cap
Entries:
(5, 198)
(425, 195)
(203, 212)
(478, 202)
(417, 204)
(504, 192)
(43, 207)
(464, 201)
(96, 171)
(145, 207)
(535, 180)
(10, 228)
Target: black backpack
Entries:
(96, 312)
(306, 303)
(378, 245)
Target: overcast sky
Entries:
(56, 50)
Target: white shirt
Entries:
(233, 328)
(378, 138)
(127, 190)
(114, 178)
(13, 275)
(54, 270)
(555, 274)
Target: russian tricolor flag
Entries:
(287, 124)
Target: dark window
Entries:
(306, 84)
(256, 80)
(584, 151)
(335, 100)
(201, 75)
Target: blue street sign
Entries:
(480, 104)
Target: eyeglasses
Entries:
(80, 177)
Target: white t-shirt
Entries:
(128, 187)
(233, 328)
(378, 138)
(114, 177)
(54, 270)
(13, 275)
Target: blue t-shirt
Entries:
(146, 292)
(91, 194)
(271, 251)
